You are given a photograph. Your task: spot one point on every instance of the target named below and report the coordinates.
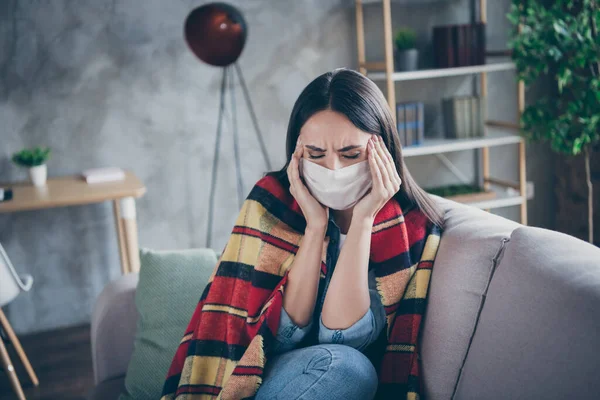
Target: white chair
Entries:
(11, 284)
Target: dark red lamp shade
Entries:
(216, 33)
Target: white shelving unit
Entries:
(406, 2)
(498, 133)
(442, 72)
(494, 137)
(502, 200)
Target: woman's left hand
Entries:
(386, 181)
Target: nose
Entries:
(333, 163)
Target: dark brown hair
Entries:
(352, 94)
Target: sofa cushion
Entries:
(537, 336)
(471, 241)
(169, 288)
(113, 328)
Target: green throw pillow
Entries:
(168, 291)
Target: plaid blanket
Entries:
(223, 351)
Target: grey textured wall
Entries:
(112, 83)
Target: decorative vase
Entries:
(407, 60)
(38, 175)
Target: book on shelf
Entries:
(481, 116)
(478, 43)
(443, 47)
(400, 118)
(462, 46)
(447, 111)
(473, 114)
(410, 123)
(421, 125)
(410, 120)
(100, 175)
(459, 45)
(476, 116)
(456, 119)
(464, 116)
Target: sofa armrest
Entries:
(113, 328)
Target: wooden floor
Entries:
(62, 360)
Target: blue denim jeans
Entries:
(324, 371)
(359, 335)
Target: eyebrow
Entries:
(342, 150)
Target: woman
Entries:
(365, 228)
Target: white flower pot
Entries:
(38, 175)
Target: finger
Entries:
(296, 170)
(289, 169)
(292, 169)
(387, 182)
(383, 152)
(298, 152)
(390, 165)
(292, 158)
(387, 152)
(299, 148)
(299, 186)
(290, 178)
(375, 173)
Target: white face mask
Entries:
(338, 189)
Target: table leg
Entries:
(120, 237)
(130, 233)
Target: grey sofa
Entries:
(513, 313)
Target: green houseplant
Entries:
(557, 41)
(35, 160)
(406, 54)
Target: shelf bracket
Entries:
(453, 168)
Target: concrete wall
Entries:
(107, 83)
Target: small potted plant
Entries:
(406, 54)
(34, 159)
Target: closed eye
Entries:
(316, 157)
(352, 157)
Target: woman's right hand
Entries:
(316, 214)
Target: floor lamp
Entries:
(216, 34)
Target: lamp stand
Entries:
(228, 82)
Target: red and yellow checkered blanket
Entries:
(222, 354)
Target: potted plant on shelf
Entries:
(558, 44)
(406, 54)
(462, 193)
(35, 160)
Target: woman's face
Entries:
(332, 141)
